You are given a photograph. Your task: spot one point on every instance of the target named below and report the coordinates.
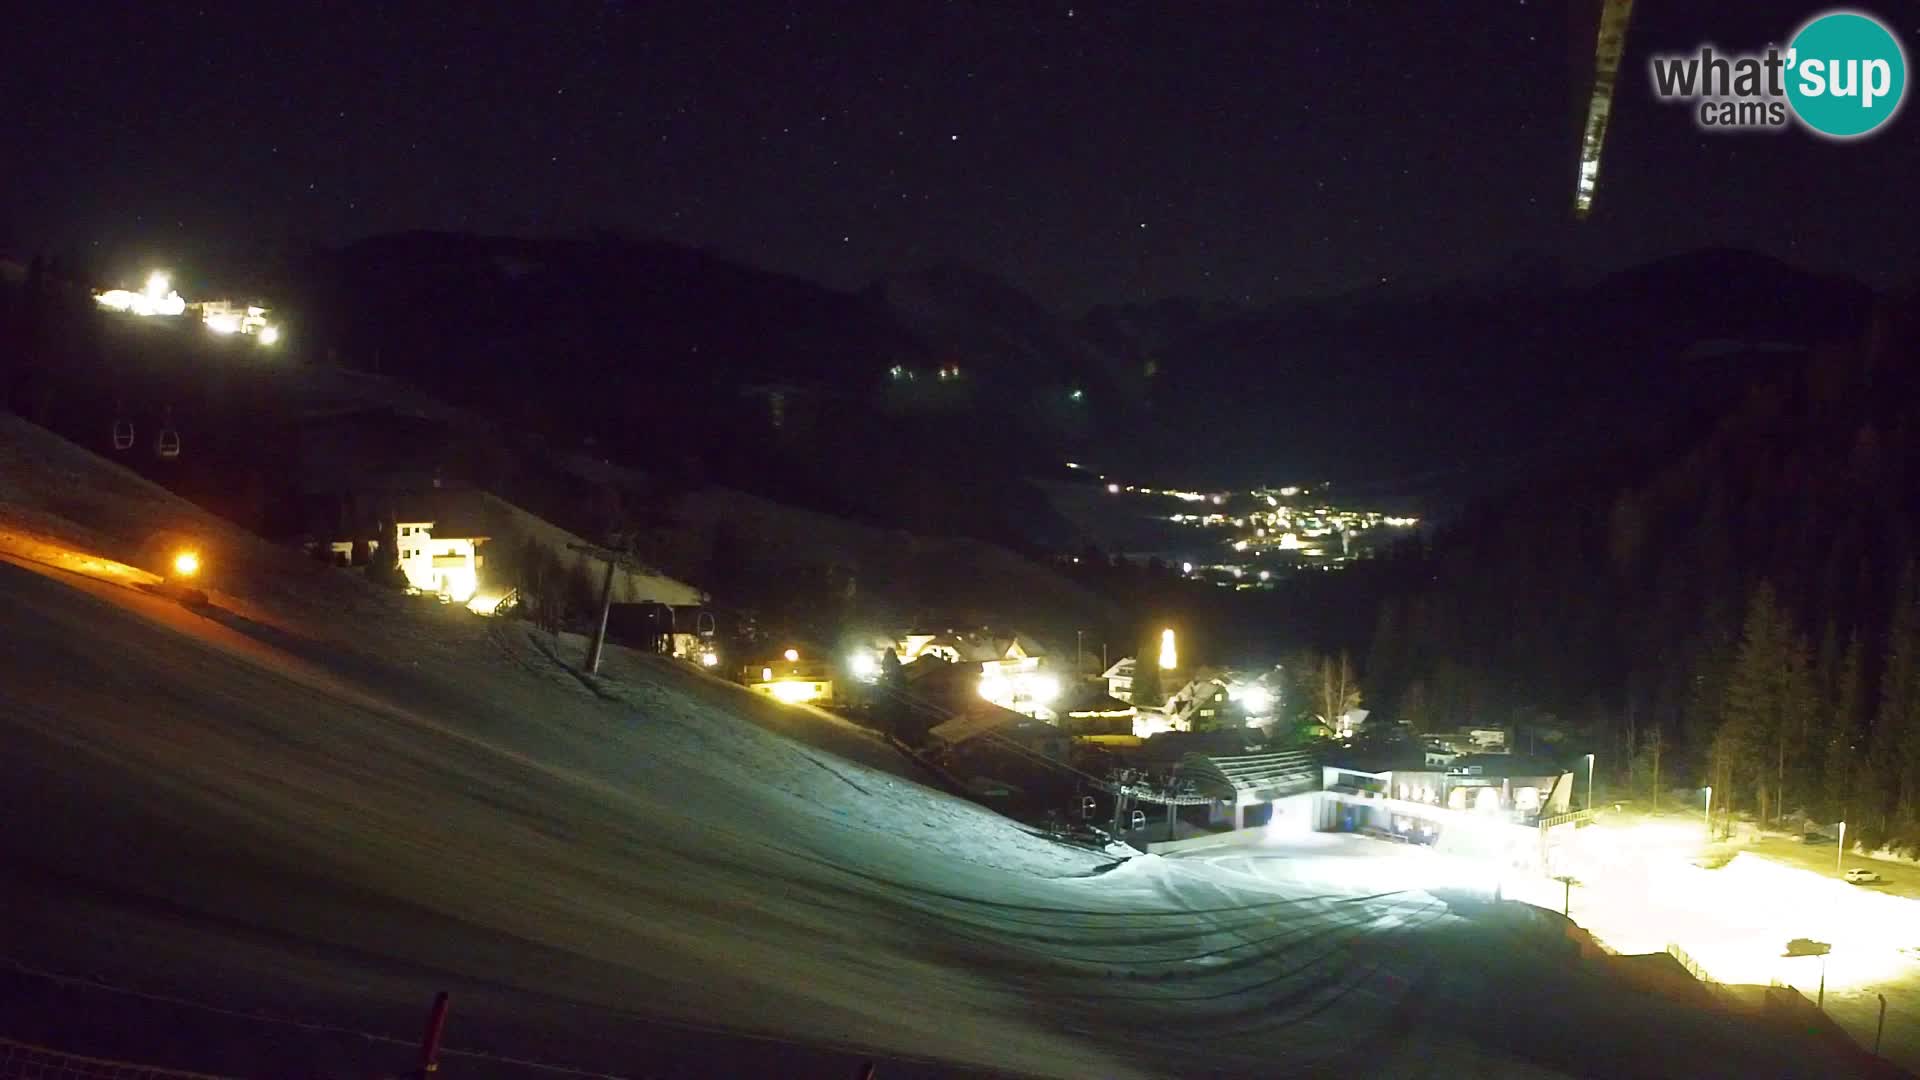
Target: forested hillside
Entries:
(1733, 602)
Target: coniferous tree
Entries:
(1416, 709)
(1757, 705)
(1899, 717)
(1797, 709)
(1843, 733)
(383, 568)
(1149, 689)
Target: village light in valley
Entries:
(1256, 700)
(792, 655)
(269, 335)
(863, 665)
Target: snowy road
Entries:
(656, 874)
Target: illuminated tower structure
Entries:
(1610, 43)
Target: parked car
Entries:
(1860, 875)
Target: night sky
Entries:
(1087, 152)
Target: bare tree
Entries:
(1337, 691)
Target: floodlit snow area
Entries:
(213, 823)
(1639, 890)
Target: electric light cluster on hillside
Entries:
(223, 317)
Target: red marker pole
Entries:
(430, 1045)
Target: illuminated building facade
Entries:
(791, 678)
(442, 565)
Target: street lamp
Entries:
(1590, 781)
(1840, 852)
(1709, 812)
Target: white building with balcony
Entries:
(445, 566)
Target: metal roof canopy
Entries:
(1253, 777)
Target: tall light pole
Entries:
(1709, 814)
(1590, 761)
(1840, 852)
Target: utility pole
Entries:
(1172, 794)
(600, 628)
(613, 557)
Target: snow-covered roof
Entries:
(974, 723)
(1253, 774)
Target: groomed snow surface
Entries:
(211, 826)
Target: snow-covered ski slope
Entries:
(313, 804)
